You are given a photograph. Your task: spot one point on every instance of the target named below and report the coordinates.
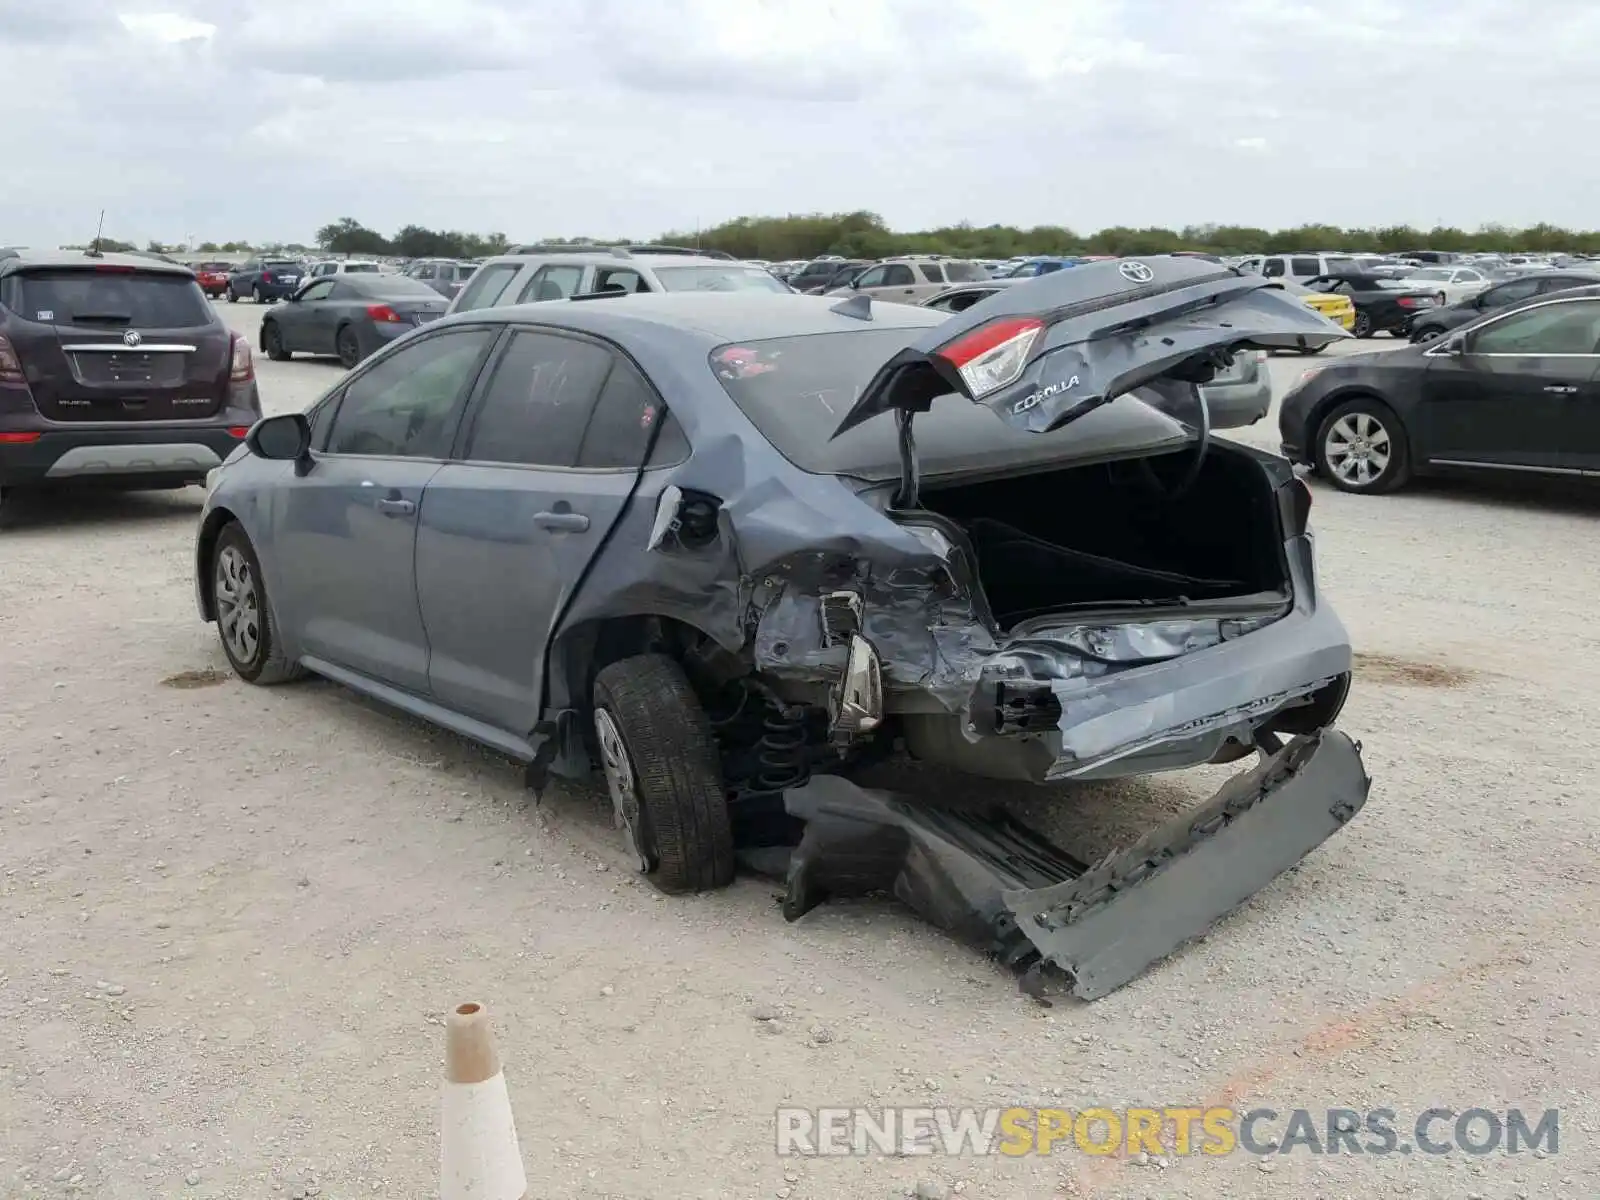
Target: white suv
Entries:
(560, 272)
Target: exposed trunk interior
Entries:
(1110, 534)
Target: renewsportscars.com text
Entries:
(1174, 1130)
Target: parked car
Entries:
(1513, 391)
(1298, 267)
(1237, 395)
(1449, 285)
(634, 249)
(1028, 268)
(349, 316)
(910, 280)
(637, 538)
(583, 271)
(814, 274)
(212, 277)
(844, 271)
(446, 276)
(341, 266)
(1340, 310)
(1380, 306)
(1521, 286)
(115, 370)
(265, 279)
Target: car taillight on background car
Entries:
(1415, 301)
(11, 374)
(382, 312)
(244, 364)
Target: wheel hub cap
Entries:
(1358, 448)
(618, 768)
(238, 605)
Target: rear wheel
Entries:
(1363, 325)
(1361, 447)
(664, 773)
(244, 617)
(1313, 349)
(272, 341)
(233, 296)
(348, 347)
(256, 294)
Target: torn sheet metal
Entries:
(987, 878)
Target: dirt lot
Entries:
(233, 916)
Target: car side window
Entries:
(873, 277)
(965, 300)
(1510, 293)
(538, 401)
(427, 271)
(487, 286)
(898, 275)
(408, 404)
(1304, 266)
(619, 279)
(932, 272)
(1272, 268)
(551, 283)
(318, 290)
(624, 418)
(1564, 328)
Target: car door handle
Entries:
(1561, 389)
(562, 522)
(396, 508)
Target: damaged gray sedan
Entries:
(731, 549)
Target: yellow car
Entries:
(1341, 310)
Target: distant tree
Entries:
(349, 236)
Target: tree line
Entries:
(866, 235)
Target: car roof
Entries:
(714, 318)
(602, 255)
(12, 261)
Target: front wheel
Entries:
(1313, 349)
(244, 617)
(1361, 447)
(272, 340)
(1426, 334)
(664, 773)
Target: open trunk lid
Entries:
(1048, 351)
(110, 343)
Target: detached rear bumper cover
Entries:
(991, 880)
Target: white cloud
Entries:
(242, 119)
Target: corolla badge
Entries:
(131, 338)
(1136, 272)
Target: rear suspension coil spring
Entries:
(781, 757)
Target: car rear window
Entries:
(361, 268)
(279, 264)
(118, 299)
(391, 287)
(964, 272)
(718, 277)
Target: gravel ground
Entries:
(233, 916)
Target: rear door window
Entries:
(619, 279)
(964, 272)
(932, 272)
(1304, 266)
(625, 416)
(551, 283)
(898, 275)
(1272, 268)
(538, 402)
(112, 299)
(486, 286)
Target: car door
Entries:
(346, 529)
(296, 318)
(896, 283)
(1512, 392)
(546, 461)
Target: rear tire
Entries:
(256, 294)
(664, 773)
(1360, 431)
(272, 342)
(244, 615)
(348, 347)
(233, 296)
(1308, 350)
(1363, 325)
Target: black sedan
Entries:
(1380, 306)
(348, 316)
(1428, 325)
(1515, 391)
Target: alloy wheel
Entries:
(1358, 449)
(238, 605)
(618, 768)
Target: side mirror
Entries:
(285, 438)
(1456, 345)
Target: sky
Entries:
(264, 120)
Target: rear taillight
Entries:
(382, 312)
(244, 364)
(18, 439)
(993, 355)
(266, 277)
(10, 365)
(238, 431)
(113, 269)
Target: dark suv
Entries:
(115, 370)
(264, 279)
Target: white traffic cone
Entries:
(479, 1158)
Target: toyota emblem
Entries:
(131, 338)
(1136, 272)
